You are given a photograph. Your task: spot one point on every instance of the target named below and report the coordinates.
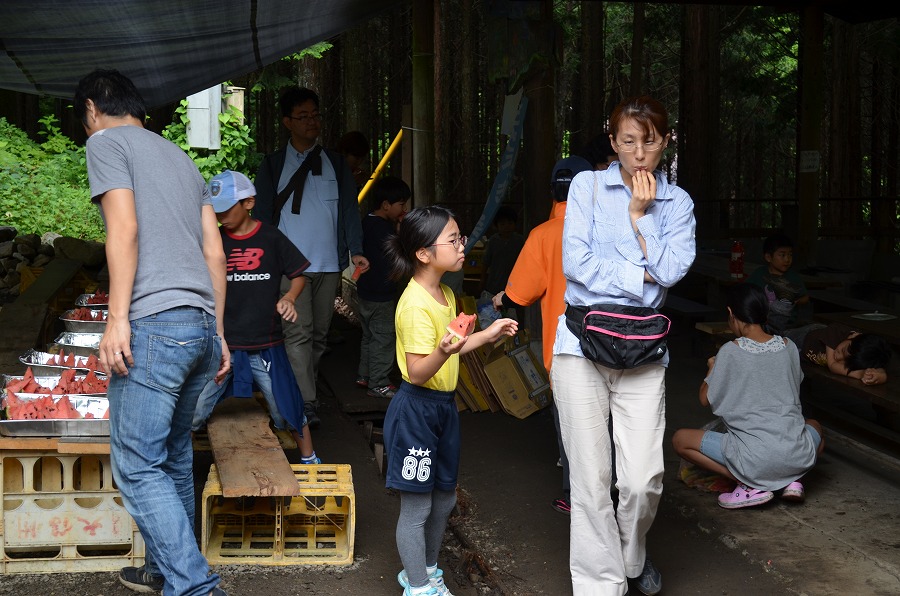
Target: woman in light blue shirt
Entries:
(628, 237)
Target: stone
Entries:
(33, 241)
(26, 250)
(87, 252)
(7, 248)
(41, 260)
(8, 233)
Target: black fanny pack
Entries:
(618, 336)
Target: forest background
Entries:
(734, 118)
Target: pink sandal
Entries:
(794, 492)
(744, 496)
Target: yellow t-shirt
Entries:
(421, 323)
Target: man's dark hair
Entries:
(868, 351)
(506, 213)
(390, 189)
(776, 241)
(113, 94)
(354, 143)
(294, 96)
(597, 150)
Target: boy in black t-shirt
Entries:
(258, 255)
(377, 293)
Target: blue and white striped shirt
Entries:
(602, 258)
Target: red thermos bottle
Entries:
(737, 260)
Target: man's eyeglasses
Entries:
(307, 117)
(631, 146)
(457, 244)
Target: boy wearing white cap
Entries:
(258, 255)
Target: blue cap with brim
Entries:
(228, 188)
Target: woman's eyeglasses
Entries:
(457, 244)
(631, 146)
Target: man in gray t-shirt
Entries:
(163, 339)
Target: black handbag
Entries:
(618, 336)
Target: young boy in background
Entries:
(377, 293)
(258, 255)
(784, 287)
(502, 251)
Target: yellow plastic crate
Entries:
(318, 526)
(62, 514)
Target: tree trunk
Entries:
(639, 30)
(698, 122)
(589, 105)
(422, 135)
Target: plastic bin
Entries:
(316, 527)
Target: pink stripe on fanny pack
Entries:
(624, 316)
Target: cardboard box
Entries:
(519, 380)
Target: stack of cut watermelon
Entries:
(46, 407)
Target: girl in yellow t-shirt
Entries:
(421, 427)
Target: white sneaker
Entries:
(436, 581)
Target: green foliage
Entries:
(234, 153)
(43, 187)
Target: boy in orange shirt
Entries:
(538, 275)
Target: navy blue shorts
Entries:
(421, 437)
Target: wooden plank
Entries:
(886, 395)
(248, 456)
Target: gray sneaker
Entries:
(137, 579)
(649, 582)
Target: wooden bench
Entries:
(687, 308)
(249, 458)
(828, 299)
(884, 430)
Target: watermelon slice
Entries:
(462, 325)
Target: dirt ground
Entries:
(508, 541)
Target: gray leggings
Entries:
(420, 530)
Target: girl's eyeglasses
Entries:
(457, 244)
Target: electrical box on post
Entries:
(204, 108)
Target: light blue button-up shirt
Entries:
(602, 258)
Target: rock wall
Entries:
(20, 251)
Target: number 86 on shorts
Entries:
(417, 465)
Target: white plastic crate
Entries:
(62, 513)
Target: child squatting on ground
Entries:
(258, 255)
(421, 426)
(753, 385)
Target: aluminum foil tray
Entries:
(54, 428)
(39, 367)
(83, 301)
(96, 427)
(80, 326)
(48, 381)
(80, 344)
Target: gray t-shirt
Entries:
(757, 395)
(169, 193)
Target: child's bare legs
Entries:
(305, 445)
(687, 445)
(815, 424)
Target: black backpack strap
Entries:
(313, 162)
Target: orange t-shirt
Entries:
(538, 275)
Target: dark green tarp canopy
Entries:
(169, 48)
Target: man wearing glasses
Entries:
(309, 193)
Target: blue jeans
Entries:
(261, 371)
(175, 353)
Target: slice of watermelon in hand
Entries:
(462, 325)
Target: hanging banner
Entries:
(502, 181)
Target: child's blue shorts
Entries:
(711, 444)
(421, 437)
